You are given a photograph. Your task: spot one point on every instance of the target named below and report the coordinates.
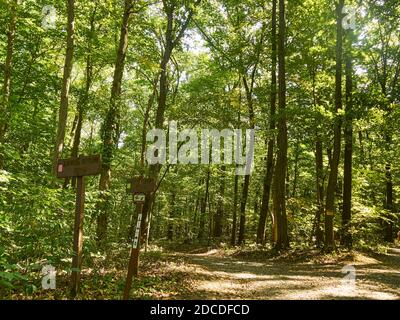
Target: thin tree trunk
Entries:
(110, 131)
(5, 104)
(388, 232)
(170, 43)
(362, 151)
(346, 239)
(270, 152)
(333, 174)
(196, 208)
(320, 191)
(319, 167)
(203, 209)
(387, 223)
(296, 168)
(85, 99)
(246, 184)
(234, 217)
(279, 184)
(63, 111)
(256, 201)
(243, 201)
(220, 208)
(170, 231)
(210, 221)
(146, 120)
(82, 105)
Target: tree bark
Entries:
(85, 98)
(346, 238)
(171, 42)
(388, 231)
(110, 130)
(320, 191)
(246, 184)
(234, 216)
(5, 108)
(243, 201)
(220, 208)
(146, 120)
(83, 102)
(270, 153)
(279, 199)
(170, 231)
(334, 164)
(64, 101)
(203, 208)
(296, 168)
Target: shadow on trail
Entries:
(226, 277)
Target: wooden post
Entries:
(134, 259)
(141, 189)
(78, 236)
(71, 168)
(132, 271)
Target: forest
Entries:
(199, 149)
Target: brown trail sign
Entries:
(140, 188)
(78, 167)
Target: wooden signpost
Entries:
(79, 168)
(140, 188)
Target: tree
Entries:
(110, 128)
(348, 149)
(270, 153)
(279, 182)
(384, 62)
(64, 100)
(217, 232)
(5, 103)
(175, 30)
(334, 161)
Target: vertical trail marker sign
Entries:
(79, 168)
(140, 188)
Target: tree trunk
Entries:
(169, 44)
(85, 98)
(220, 209)
(63, 111)
(243, 201)
(320, 191)
(362, 151)
(203, 208)
(196, 208)
(170, 231)
(279, 200)
(270, 152)
(234, 217)
(110, 132)
(296, 168)
(346, 238)
(388, 231)
(145, 121)
(83, 102)
(246, 184)
(5, 105)
(334, 164)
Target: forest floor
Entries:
(223, 274)
(216, 275)
(189, 272)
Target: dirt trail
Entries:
(218, 276)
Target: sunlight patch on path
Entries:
(223, 277)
